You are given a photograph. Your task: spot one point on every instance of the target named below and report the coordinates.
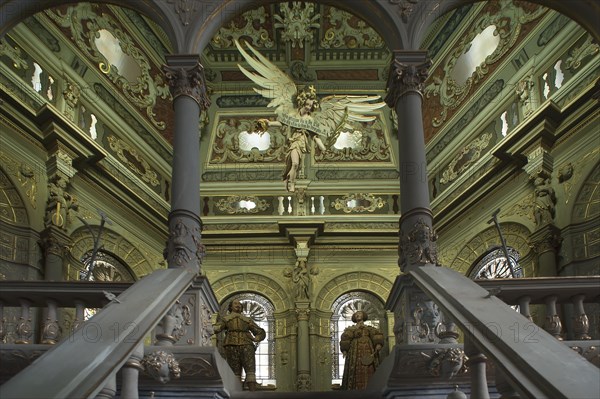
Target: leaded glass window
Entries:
(494, 265)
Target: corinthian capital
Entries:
(186, 79)
(408, 73)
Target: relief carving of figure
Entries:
(545, 201)
(306, 117)
(60, 202)
(242, 336)
(360, 344)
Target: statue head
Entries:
(235, 306)
(161, 366)
(307, 101)
(360, 316)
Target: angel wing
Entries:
(275, 84)
(338, 111)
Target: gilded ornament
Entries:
(134, 161)
(578, 54)
(14, 53)
(188, 81)
(358, 203)
(234, 204)
(404, 78)
(227, 35)
(162, 366)
(86, 26)
(343, 34)
(297, 22)
(468, 156)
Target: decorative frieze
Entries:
(347, 31)
(133, 160)
(358, 203)
(469, 155)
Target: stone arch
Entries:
(266, 286)
(378, 14)
(583, 12)
(15, 11)
(516, 236)
(114, 244)
(586, 206)
(12, 208)
(355, 281)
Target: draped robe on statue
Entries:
(359, 341)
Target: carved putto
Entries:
(162, 366)
(418, 246)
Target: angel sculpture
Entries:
(301, 113)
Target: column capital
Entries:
(185, 76)
(546, 239)
(408, 72)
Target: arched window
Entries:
(343, 309)
(106, 268)
(260, 309)
(494, 265)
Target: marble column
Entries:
(186, 80)
(303, 382)
(408, 72)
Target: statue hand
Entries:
(261, 125)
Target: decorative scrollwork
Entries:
(358, 203)
(134, 161)
(508, 24)
(234, 204)
(466, 157)
(297, 22)
(85, 25)
(227, 35)
(587, 49)
(348, 32)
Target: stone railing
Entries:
(91, 351)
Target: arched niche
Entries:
(516, 236)
(355, 281)
(114, 244)
(250, 282)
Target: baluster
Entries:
(552, 323)
(3, 331)
(581, 324)
(476, 364)
(504, 387)
(79, 315)
(289, 205)
(322, 205)
(24, 330)
(110, 388)
(280, 207)
(312, 205)
(50, 328)
(130, 371)
(524, 307)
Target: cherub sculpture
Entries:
(304, 116)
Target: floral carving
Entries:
(587, 49)
(447, 363)
(371, 147)
(188, 81)
(405, 78)
(348, 32)
(85, 25)
(297, 22)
